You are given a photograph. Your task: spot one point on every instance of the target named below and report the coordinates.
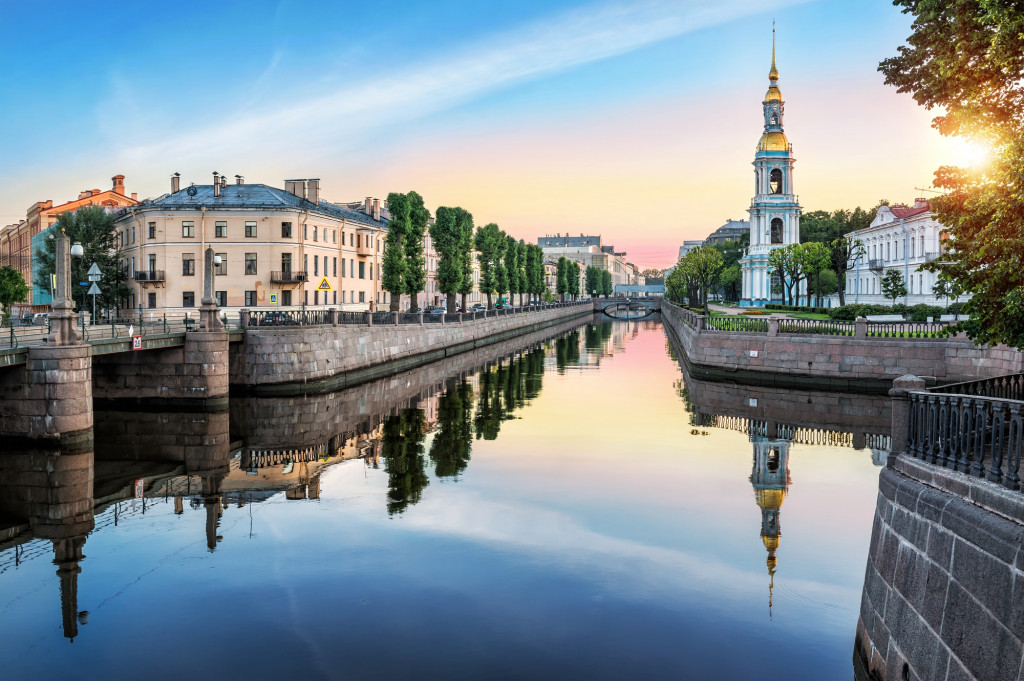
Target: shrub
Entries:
(798, 308)
(921, 313)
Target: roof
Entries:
(909, 212)
(254, 196)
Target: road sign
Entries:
(94, 290)
(136, 342)
(94, 273)
(273, 298)
(83, 283)
(324, 285)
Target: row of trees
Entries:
(599, 281)
(696, 274)
(507, 266)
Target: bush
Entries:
(957, 308)
(921, 313)
(848, 313)
(798, 308)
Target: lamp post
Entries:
(209, 318)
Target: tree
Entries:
(447, 236)
(12, 290)
(967, 58)
(702, 266)
(815, 257)
(415, 262)
(731, 279)
(676, 284)
(93, 227)
(781, 262)
(402, 450)
(534, 284)
(392, 274)
(652, 273)
(893, 285)
(512, 266)
(500, 271)
(593, 279)
(562, 278)
(466, 255)
(524, 279)
(451, 446)
(824, 284)
(606, 283)
(488, 243)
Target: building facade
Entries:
(903, 238)
(16, 240)
(774, 211)
(278, 247)
(587, 251)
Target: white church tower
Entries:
(774, 211)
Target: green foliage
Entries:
(402, 450)
(562, 277)
(93, 227)
(593, 280)
(453, 441)
(606, 283)
(393, 266)
(448, 238)
(415, 262)
(534, 270)
(466, 255)
(524, 279)
(893, 285)
(489, 240)
(966, 57)
(572, 279)
(12, 289)
(512, 265)
(795, 308)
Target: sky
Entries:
(636, 120)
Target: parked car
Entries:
(26, 319)
(273, 319)
(435, 311)
(41, 318)
(478, 307)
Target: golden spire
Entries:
(773, 75)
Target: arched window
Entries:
(776, 230)
(775, 119)
(775, 181)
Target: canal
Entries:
(573, 507)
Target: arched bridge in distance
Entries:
(631, 309)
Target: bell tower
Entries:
(774, 211)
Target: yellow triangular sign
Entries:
(324, 285)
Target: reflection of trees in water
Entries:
(402, 449)
(567, 351)
(596, 336)
(505, 389)
(453, 440)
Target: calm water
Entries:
(579, 510)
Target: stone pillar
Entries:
(204, 372)
(369, 318)
(209, 313)
(773, 327)
(243, 318)
(860, 328)
(51, 399)
(900, 394)
(62, 315)
(332, 314)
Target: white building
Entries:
(774, 211)
(690, 246)
(902, 238)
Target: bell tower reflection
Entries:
(770, 480)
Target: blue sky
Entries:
(633, 119)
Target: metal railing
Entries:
(288, 277)
(818, 327)
(976, 435)
(149, 275)
(1009, 387)
(736, 324)
(908, 329)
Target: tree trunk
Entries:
(396, 301)
(450, 305)
(842, 286)
(463, 302)
(490, 305)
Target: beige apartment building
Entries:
(278, 247)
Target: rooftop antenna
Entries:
(933, 191)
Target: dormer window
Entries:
(775, 181)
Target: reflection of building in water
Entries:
(770, 479)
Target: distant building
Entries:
(689, 246)
(587, 251)
(733, 230)
(16, 247)
(902, 238)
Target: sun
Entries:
(970, 154)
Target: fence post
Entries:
(900, 394)
(369, 318)
(773, 327)
(332, 315)
(243, 318)
(860, 327)
(165, 323)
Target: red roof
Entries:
(909, 212)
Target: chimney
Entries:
(313, 191)
(920, 203)
(175, 183)
(376, 209)
(239, 179)
(223, 181)
(368, 206)
(296, 187)
(119, 184)
(135, 196)
(216, 184)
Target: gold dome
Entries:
(773, 141)
(771, 543)
(770, 499)
(773, 94)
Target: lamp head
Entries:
(217, 260)
(76, 250)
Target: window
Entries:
(776, 230)
(316, 266)
(351, 267)
(188, 264)
(286, 230)
(152, 230)
(286, 263)
(305, 263)
(305, 297)
(362, 270)
(325, 265)
(314, 233)
(133, 235)
(188, 299)
(152, 266)
(220, 229)
(334, 236)
(222, 298)
(335, 297)
(250, 263)
(250, 299)
(305, 231)
(250, 230)
(151, 300)
(775, 181)
(188, 229)
(316, 297)
(362, 296)
(359, 240)
(371, 271)
(335, 266)
(286, 297)
(222, 268)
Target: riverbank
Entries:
(758, 354)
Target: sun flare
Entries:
(969, 154)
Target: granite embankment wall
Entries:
(287, 422)
(297, 360)
(833, 362)
(945, 579)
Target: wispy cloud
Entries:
(565, 41)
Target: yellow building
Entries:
(278, 247)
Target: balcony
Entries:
(149, 276)
(876, 264)
(928, 257)
(365, 248)
(292, 278)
